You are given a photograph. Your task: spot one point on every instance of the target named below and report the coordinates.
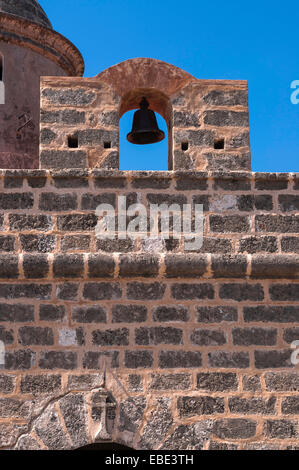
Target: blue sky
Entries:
(255, 41)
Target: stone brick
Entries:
(182, 265)
(228, 161)
(197, 406)
(68, 96)
(129, 313)
(227, 98)
(73, 410)
(35, 266)
(97, 137)
(288, 202)
(13, 182)
(274, 266)
(216, 445)
(75, 242)
(115, 246)
(57, 202)
(76, 222)
(49, 429)
(84, 381)
(63, 159)
(7, 243)
(67, 291)
(229, 224)
(13, 408)
(37, 181)
(254, 336)
(22, 222)
(270, 359)
(226, 118)
(290, 244)
(135, 383)
(282, 381)
(16, 201)
(254, 405)
(66, 116)
(277, 223)
(158, 335)
(131, 413)
(66, 360)
(234, 428)
(16, 313)
(35, 336)
(9, 267)
(40, 384)
(47, 136)
(281, 429)
(7, 383)
(191, 181)
(39, 243)
(93, 359)
(89, 314)
(251, 383)
(253, 245)
(192, 291)
(191, 436)
(216, 245)
(202, 337)
(183, 119)
(170, 313)
(92, 201)
(51, 312)
(150, 180)
(271, 181)
(229, 265)
(108, 118)
(265, 313)
(284, 292)
(29, 291)
(106, 179)
(145, 291)
(6, 336)
(102, 291)
(290, 405)
(241, 292)
(236, 182)
(178, 381)
(195, 138)
(263, 202)
(216, 314)
(245, 202)
(116, 337)
(19, 360)
(217, 381)
(227, 359)
(291, 334)
(179, 359)
(68, 266)
(138, 265)
(71, 179)
(138, 358)
(101, 266)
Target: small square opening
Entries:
(72, 142)
(219, 144)
(185, 146)
(107, 145)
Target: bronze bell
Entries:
(145, 128)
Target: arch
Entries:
(146, 73)
(158, 81)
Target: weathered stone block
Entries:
(197, 406)
(217, 381)
(179, 359)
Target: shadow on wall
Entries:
(142, 157)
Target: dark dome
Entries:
(28, 9)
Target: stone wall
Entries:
(190, 350)
(207, 120)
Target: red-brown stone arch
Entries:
(154, 79)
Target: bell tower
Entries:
(29, 49)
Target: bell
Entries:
(145, 128)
